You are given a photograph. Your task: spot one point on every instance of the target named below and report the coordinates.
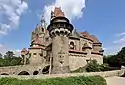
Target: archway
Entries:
(4, 74)
(45, 70)
(35, 73)
(24, 73)
(123, 75)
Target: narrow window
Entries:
(72, 46)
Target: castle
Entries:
(60, 46)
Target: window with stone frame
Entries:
(72, 46)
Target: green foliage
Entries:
(10, 61)
(116, 60)
(93, 66)
(9, 54)
(1, 55)
(112, 60)
(92, 80)
(27, 61)
(104, 67)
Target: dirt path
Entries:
(115, 81)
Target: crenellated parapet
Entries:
(60, 26)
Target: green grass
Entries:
(92, 80)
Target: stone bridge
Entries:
(25, 70)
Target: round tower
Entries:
(60, 29)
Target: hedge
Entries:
(92, 80)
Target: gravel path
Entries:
(115, 81)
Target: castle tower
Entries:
(24, 54)
(40, 31)
(36, 56)
(60, 29)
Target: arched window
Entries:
(4, 74)
(42, 29)
(35, 73)
(83, 48)
(23, 73)
(46, 70)
(72, 46)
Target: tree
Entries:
(116, 60)
(10, 60)
(9, 54)
(0, 56)
(93, 66)
(121, 56)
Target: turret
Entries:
(36, 50)
(24, 54)
(40, 31)
(97, 46)
(59, 30)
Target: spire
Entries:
(43, 22)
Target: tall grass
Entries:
(92, 80)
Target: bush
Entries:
(10, 61)
(93, 66)
(92, 80)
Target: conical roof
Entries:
(58, 12)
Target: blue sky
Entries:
(103, 18)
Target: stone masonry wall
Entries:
(103, 74)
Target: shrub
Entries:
(93, 66)
(81, 80)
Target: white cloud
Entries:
(10, 13)
(4, 49)
(111, 50)
(117, 44)
(72, 8)
(120, 34)
(120, 40)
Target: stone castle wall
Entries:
(76, 61)
(103, 74)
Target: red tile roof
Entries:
(91, 37)
(38, 47)
(58, 12)
(37, 42)
(24, 51)
(95, 40)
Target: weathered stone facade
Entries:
(66, 47)
(60, 46)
